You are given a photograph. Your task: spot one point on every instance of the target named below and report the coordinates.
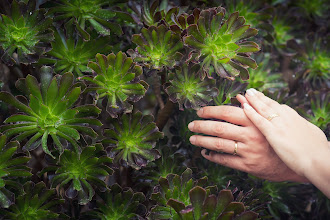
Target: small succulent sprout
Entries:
(131, 140)
(88, 12)
(24, 34)
(281, 31)
(48, 110)
(151, 14)
(318, 114)
(72, 54)
(222, 44)
(80, 173)
(118, 204)
(34, 202)
(117, 78)
(12, 165)
(157, 47)
(228, 89)
(188, 90)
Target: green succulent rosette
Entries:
(118, 204)
(82, 14)
(35, 201)
(131, 140)
(282, 31)
(228, 89)
(25, 34)
(117, 79)
(80, 173)
(72, 53)
(188, 90)
(48, 110)
(12, 165)
(221, 44)
(157, 47)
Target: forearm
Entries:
(318, 170)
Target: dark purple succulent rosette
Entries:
(117, 78)
(222, 44)
(188, 90)
(182, 21)
(25, 33)
(131, 139)
(158, 47)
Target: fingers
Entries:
(215, 143)
(218, 129)
(241, 99)
(231, 114)
(232, 161)
(259, 121)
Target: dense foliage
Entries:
(96, 97)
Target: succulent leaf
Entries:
(132, 139)
(12, 165)
(35, 202)
(118, 204)
(227, 90)
(117, 78)
(186, 87)
(157, 47)
(24, 34)
(221, 44)
(72, 54)
(50, 111)
(80, 173)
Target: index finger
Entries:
(234, 115)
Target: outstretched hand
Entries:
(302, 146)
(254, 154)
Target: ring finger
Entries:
(263, 109)
(217, 144)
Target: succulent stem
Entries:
(164, 114)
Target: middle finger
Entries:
(218, 129)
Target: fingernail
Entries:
(254, 91)
(192, 139)
(191, 125)
(247, 106)
(200, 112)
(250, 92)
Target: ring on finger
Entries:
(235, 149)
(270, 117)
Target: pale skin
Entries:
(286, 148)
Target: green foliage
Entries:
(282, 31)
(34, 202)
(187, 89)
(117, 78)
(131, 139)
(24, 34)
(118, 204)
(222, 44)
(228, 90)
(49, 111)
(311, 8)
(72, 54)
(81, 172)
(157, 47)
(12, 165)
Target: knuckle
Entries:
(226, 112)
(197, 126)
(219, 129)
(219, 144)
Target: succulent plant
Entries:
(157, 47)
(49, 111)
(222, 44)
(34, 202)
(80, 173)
(24, 34)
(313, 8)
(71, 54)
(131, 139)
(117, 78)
(96, 13)
(183, 20)
(182, 198)
(263, 77)
(12, 165)
(188, 90)
(319, 109)
(282, 31)
(118, 204)
(227, 90)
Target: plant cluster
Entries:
(96, 96)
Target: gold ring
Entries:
(269, 118)
(235, 150)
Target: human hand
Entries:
(254, 154)
(302, 146)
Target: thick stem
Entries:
(164, 114)
(157, 91)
